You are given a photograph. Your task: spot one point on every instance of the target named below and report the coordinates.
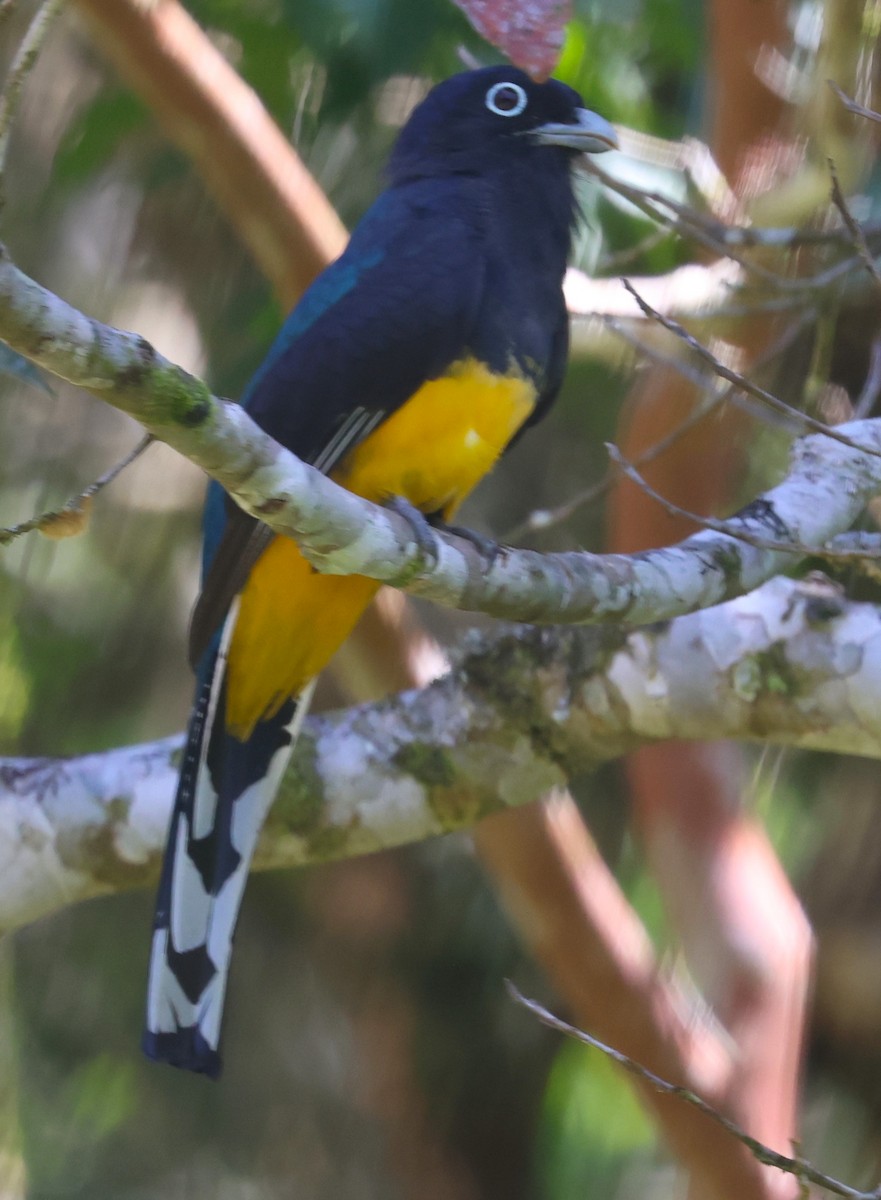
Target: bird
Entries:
(404, 372)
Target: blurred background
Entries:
(371, 1050)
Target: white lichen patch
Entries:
(143, 833)
(346, 559)
(863, 690)
(374, 808)
(726, 642)
(641, 687)
(34, 875)
(396, 812)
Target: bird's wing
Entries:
(394, 311)
(553, 375)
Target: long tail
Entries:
(225, 790)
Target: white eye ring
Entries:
(519, 106)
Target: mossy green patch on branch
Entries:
(299, 802)
(729, 560)
(429, 765)
(460, 807)
(177, 398)
(329, 843)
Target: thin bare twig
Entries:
(860, 550)
(872, 386)
(722, 239)
(687, 223)
(543, 519)
(723, 527)
(859, 238)
(72, 517)
(724, 236)
(612, 263)
(799, 1167)
(740, 381)
(25, 57)
(705, 381)
(851, 105)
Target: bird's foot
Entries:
(421, 527)
(487, 547)
(424, 526)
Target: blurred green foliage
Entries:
(594, 1131)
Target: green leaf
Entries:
(94, 138)
(591, 1125)
(101, 1095)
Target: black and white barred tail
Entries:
(224, 793)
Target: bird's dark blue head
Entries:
(496, 118)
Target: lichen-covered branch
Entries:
(827, 486)
(523, 712)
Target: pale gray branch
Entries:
(792, 663)
(831, 478)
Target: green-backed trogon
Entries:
(407, 368)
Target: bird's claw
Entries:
(487, 547)
(420, 526)
(424, 527)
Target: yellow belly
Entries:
(432, 451)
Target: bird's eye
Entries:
(506, 99)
